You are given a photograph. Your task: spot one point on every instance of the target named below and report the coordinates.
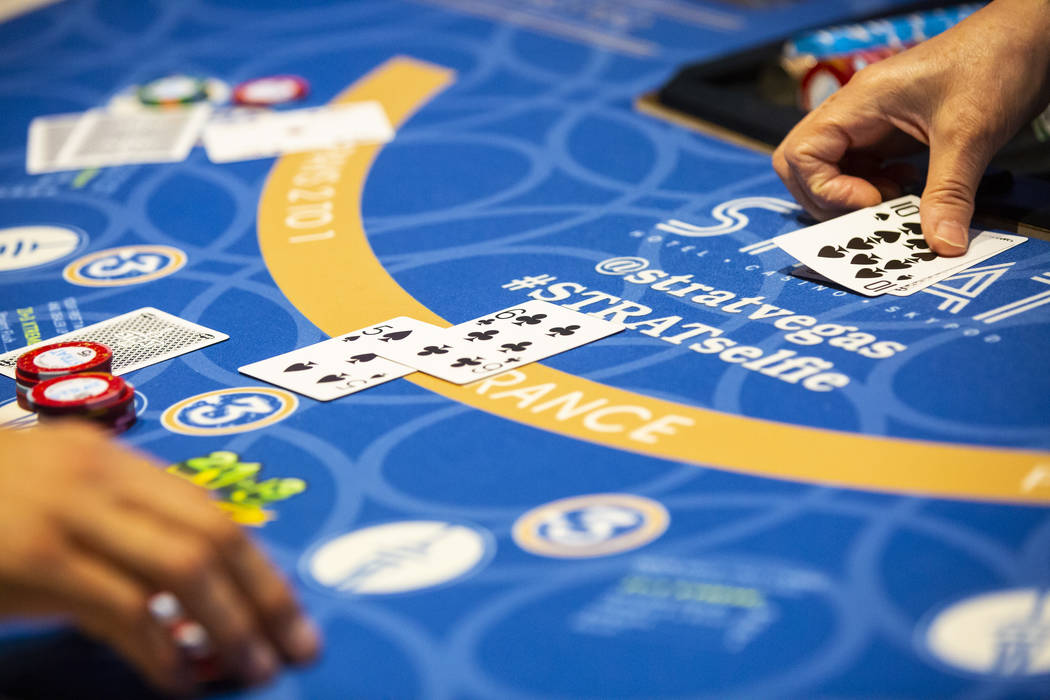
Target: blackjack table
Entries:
(765, 486)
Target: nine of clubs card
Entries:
(499, 341)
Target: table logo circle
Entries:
(399, 557)
(23, 247)
(227, 411)
(118, 267)
(1003, 634)
(595, 525)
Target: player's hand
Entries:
(963, 93)
(92, 529)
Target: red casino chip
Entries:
(22, 386)
(829, 74)
(77, 393)
(20, 396)
(59, 359)
(272, 90)
(821, 81)
(101, 398)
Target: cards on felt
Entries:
(138, 339)
(498, 341)
(249, 135)
(340, 366)
(465, 353)
(881, 250)
(47, 136)
(102, 139)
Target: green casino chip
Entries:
(173, 90)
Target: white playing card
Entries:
(435, 351)
(499, 341)
(47, 136)
(339, 366)
(138, 339)
(244, 136)
(983, 245)
(102, 138)
(881, 250)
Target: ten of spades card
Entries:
(881, 250)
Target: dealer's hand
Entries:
(963, 93)
(91, 530)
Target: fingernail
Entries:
(301, 639)
(952, 233)
(261, 663)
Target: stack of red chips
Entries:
(95, 396)
(72, 379)
(831, 73)
(57, 360)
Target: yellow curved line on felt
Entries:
(335, 280)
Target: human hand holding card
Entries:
(882, 250)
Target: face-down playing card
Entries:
(499, 341)
(341, 365)
(138, 339)
(47, 137)
(248, 135)
(102, 139)
(882, 250)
